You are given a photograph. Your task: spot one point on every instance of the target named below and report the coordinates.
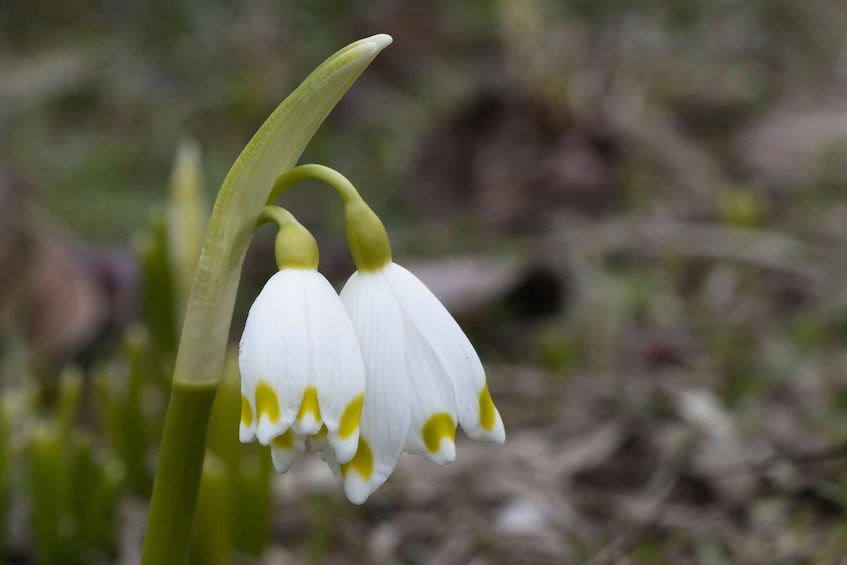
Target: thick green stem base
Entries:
(168, 535)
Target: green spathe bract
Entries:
(274, 149)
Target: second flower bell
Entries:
(386, 355)
(301, 370)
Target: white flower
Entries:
(382, 370)
(422, 375)
(301, 370)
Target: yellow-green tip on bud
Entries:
(295, 248)
(366, 236)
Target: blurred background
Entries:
(635, 208)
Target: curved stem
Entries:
(366, 235)
(333, 178)
(276, 215)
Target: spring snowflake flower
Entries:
(422, 375)
(302, 375)
(381, 370)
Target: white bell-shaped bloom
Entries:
(383, 370)
(302, 375)
(422, 377)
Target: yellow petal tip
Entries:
(267, 402)
(246, 411)
(362, 462)
(438, 427)
(284, 441)
(487, 411)
(351, 417)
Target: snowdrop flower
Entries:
(383, 370)
(422, 374)
(302, 375)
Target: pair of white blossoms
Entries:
(361, 377)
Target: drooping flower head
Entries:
(382, 370)
(423, 376)
(301, 370)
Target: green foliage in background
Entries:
(73, 484)
(76, 469)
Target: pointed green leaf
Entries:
(187, 216)
(274, 149)
(158, 294)
(199, 364)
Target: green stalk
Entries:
(199, 364)
(169, 523)
(333, 178)
(366, 236)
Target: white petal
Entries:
(433, 427)
(477, 414)
(247, 433)
(274, 354)
(247, 425)
(286, 449)
(307, 424)
(338, 370)
(385, 414)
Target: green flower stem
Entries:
(169, 523)
(276, 215)
(200, 357)
(366, 235)
(333, 178)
